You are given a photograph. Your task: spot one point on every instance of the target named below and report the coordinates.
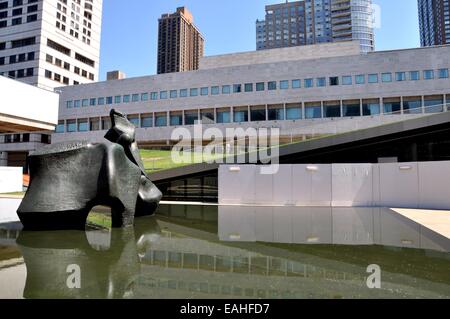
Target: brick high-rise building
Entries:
(434, 19)
(180, 43)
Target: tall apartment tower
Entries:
(50, 43)
(316, 21)
(180, 43)
(434, 20)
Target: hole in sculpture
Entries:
(98, 228)
(99, 218)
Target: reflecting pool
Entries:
(230, 252)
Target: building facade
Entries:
(434, 21)
(49, 43)
(316, 21)
(312, 95)
(180, 43)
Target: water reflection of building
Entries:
(237, 272)
(326, 225)
(181, 265)
(12, 266)
(9, 234)
(180, 255)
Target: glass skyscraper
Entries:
(316, 21)
(434, 20)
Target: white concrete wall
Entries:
(11, 179)
(352, 185)
(322, 50)
(8, 210)
(406, 185)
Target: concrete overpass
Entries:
(24, 109)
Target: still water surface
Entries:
(231, 252)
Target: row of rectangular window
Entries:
(15, 3)
(272, 85)
(23, 57)
(22, 73)
(18, 11)
(66, 65)
(18, 21)
(293, 111)
(57, 77)
(18, 43)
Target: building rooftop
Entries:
(302, 54)
(297, 53)
(180, 11)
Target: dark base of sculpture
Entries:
(73, 220)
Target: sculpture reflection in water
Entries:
(109, 270)
(69, 179)
(179, 255)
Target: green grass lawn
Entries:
(100, 220)
(15, 194)
(157, 160)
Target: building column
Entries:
(284, 110)
(323, 109)
(361, 107)
(445, 103)
(3, 158)
(249, 114)
(401, 106)
(267, 112)
(381, 106)
(342, 108)
(423, 104)
(303, 110)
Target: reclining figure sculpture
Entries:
(68, 179)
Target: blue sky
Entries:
(130, 29)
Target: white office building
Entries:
(303, 91)
(50, 43)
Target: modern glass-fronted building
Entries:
(316, 21)
(434, 20)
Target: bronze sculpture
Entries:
(67, 180)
